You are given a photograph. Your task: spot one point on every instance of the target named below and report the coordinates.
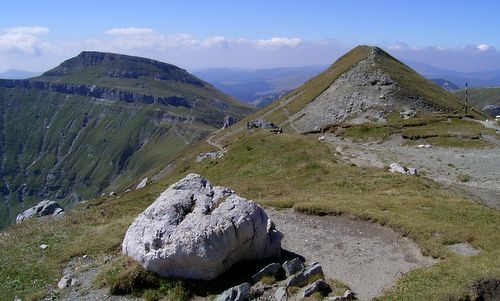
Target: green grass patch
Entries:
(438, 130)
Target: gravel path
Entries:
(366, 256)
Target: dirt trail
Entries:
(366, 256)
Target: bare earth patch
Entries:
(449, 166)
(366, 256)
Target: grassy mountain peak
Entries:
(364, 85)
(96, 65)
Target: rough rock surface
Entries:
(142, 184)
(237, 293)
(398, 168)
(228, 121)
(261, 124)
(358, 92)
(302, 278)
(198, 231)
(44, 208)
(319, 285)
(66, 281)
(269, 270)
(212, 155)
(97, 92)
(292, 266)
(463, 249)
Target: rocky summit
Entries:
(198, 231)
(364, 85)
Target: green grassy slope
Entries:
(281, 171)
(412, 85)
(70, 147)
(479, 97)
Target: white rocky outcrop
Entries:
(398, 168)
(142, 184)
(198, 231)
(44, 208)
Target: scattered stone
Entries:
(269, 270)
(322, 138)
(382, 96)
(348, 295)
(261, 124)
(320, 286)
(44, 208)
(198, 231)
(66, 281)
(44, 246)
(211, 155)
(292, 266)
(424, 146)
(237, 293)
(112, 193)
(280, 294)
(228, 121)
(317, 129)
(463, 249)
(142, 184)
(411, 171)
(396, 167)
(128, 190)
(302, 278)
(407, 114)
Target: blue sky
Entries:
(460, 35)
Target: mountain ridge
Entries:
(71, 133)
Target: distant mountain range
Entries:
(18, 74)
(474, 79)
(250, 85)
(261, 86)
(445, 84)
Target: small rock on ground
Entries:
(463, 249)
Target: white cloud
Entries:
(276, 42)
(34, 30)
(483, 47)
(129, 31)
(23, 39)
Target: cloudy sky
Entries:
(38, 35)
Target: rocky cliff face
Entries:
(96, 91)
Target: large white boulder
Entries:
(198, 231)
(44, 208)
